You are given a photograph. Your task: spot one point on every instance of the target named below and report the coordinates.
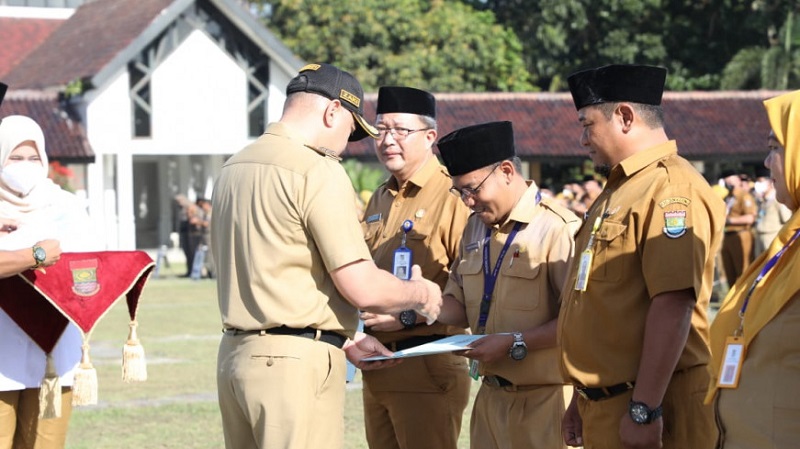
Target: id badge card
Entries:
(582, 279)
(731, 363)
(473, 369)
(401, 266)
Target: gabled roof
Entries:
(65, 138)
(104, 35)
(710, 126)
(20, 36)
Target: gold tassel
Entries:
(84, 390)
(50, 392)
(134, 367)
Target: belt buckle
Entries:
(582, 393)
(491, 381)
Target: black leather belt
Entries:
(330, 337)
(595, 394)
(497, 381)
(412, 341)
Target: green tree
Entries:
(363, 177)
(693, 39)
(445, 46)
(775, 65)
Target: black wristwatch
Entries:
(519, 349)
(642, 414)
(408, 318)
(39, 255)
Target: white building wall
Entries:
(199, 107)
(277, 91)
(199, 102)
(108, 128)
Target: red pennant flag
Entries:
(80, 287)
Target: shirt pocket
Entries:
(521, 288)
(371, 229)
(469, 268)
(418, 241)
(608, 263)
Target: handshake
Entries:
(430, 297)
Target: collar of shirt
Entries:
(420, 178)
(525, 209)
(646, 157)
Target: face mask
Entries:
(22, 177)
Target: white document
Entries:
(448, 344)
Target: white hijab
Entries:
(46, 203)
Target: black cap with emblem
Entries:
(474, 147)
(331, 82)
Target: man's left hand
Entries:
(363, 346)
(491, 348)
(640, 436)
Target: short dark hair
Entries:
(652, 115)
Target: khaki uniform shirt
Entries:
(763, 411)
(439, 218)
(741, 202)
(528, 285)
(661, 226)
(284, 218)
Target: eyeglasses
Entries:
(469, 192)
(397, 133)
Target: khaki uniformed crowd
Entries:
(613, 304)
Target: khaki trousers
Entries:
(417, 404)
(280, 392)
(20, 426)
(504, 418)
(736, 253)
(688, 424)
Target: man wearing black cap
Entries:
(293, 269)
(505, 283)
(741, 207)
(419, 403)
(633, 327)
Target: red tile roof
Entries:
(65, 137)
(20, 36)
(86, 43)
(710, 126)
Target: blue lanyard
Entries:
(771, 263)
(490, 278)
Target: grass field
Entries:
(176, 407)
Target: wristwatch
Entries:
(39, 255)
(642, 414)
(519, 349)
(408, 318)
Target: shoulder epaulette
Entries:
(325, 152)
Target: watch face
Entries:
(408, 318)
(639, 413)
(518, 352)
(39, 254)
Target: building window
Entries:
(140, 99)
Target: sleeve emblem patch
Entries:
(674, 223)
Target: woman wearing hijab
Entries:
(755, 338)
(35, 213)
